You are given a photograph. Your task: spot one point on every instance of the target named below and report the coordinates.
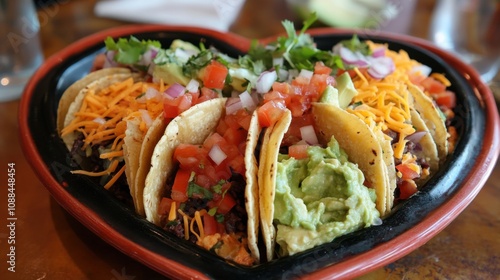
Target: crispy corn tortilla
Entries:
(267, 183)
(136, 158)
(95, 85)
(153, 136)
(72, 91)
(432, 118)
(429, 147)
(348, 130)
(388, 157)
(187, 128)
(252, 189)
(193, 127)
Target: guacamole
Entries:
(320, 198)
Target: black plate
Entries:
(469, 121)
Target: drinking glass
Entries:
(20, 51)
(470, 29)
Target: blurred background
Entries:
(469, 28)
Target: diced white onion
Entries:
(247, 101)
(265, 81)
(282, 75)
(192, 86)
(99, 120)
(424, 70)
(233, 105)
(292, 73)
(377, 222)
(146, 118)
(152, 93)
(278, 61)
(306, 74)
(309, 135)
(216, 154)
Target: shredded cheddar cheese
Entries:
(103, 116)
(385, 103)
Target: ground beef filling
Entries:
(235, 221)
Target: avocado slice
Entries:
(346, 90)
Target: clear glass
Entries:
(470, 29)
(20, 51)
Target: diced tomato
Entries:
(165, 205)
(214, 138)
(225, 204)
(407, 172)
(179, 189)
(416, 78)
(321, 68)
(237, 164)
(222, 126)
(244, 118)
(284, 88)
(445, 99)
(270, 112)
(432, 85)
(209, 224)
(321, 81)
(194, 97)
(299, 104)
(174, 107)
(207, 94)
(407, 188)
(300, 81)
(215, 75)
(298, 151)
(202, 180)
(293, 134)
(191, 157)
(235, 136)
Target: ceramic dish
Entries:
(412, 224)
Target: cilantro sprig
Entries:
(129, 51)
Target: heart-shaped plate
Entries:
(410, 225)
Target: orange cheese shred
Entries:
(386, 102)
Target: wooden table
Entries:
(50, 244)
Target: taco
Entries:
(106, 124)
(202, 185)
(406, 120)
(313, 195)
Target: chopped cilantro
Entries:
(196, 62)
(194, 189)
(212, 211)
(219, 218)
(218, 188)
